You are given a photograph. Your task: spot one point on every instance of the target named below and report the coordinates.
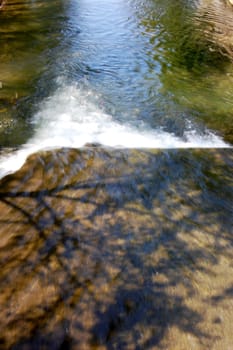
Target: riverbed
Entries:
(116, 188)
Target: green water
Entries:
(156, 62)
(30, 32)
(112, 236)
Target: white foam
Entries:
(72, 118)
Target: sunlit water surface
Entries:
(115, 234)
(116, 73)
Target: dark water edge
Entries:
(30, 33)
(117, 249)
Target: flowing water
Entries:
(117, 73)
(116, 233)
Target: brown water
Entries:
(112, 235)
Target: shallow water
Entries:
(117, 249)
(117, 231)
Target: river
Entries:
(116, 189)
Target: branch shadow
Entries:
(103, 248)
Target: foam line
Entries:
(72, 118)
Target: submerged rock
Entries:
(216, 18)
(117, 249)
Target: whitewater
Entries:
(70, 118)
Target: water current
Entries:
(110, 72)
(116, 189)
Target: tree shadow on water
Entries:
(114, 249)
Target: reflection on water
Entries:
(30, 32)
(194, 47)
(114, 249)
(106, 248)
(159, 68)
